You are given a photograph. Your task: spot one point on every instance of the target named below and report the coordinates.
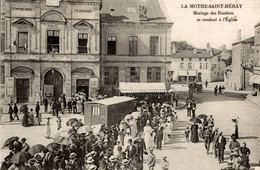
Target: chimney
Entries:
(143, 10)
(224, 47)
(208, 47)
(239, 35)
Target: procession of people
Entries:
(120, 146)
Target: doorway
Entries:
(54, 78)
(199, 77)
(22, 90)
(82, 85)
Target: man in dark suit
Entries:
(10, 111)
(208, 138)
(37, 109)
(159, 137)
(130, 149)
(221, 143)
(140, 146)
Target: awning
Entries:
(128, 87)
(255, 79)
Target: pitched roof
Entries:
(128, 11)
(248, 40)
(113, 100)
(191, 54)
(257, 25)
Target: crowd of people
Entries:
(215, 142)
(120, 146)
(219, 90)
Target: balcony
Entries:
(51, 57)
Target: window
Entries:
(132, 74)
(111, 75)
(53, 41)
(205, 59)
(154, 45)
(95, 110)
(189, 65)
(218, 73)
(133, 45)
(206, 65)
(199, 59)
(218, 58)
(153, 74)
(22, 42)
(200, 65)
(111, 45)
(82, 43)
(2, 74)
(181, 65)
(182, 59)
(190, 59)
(2, 42)
(218, 66)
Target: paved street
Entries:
(181, 154)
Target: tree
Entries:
(181, 45)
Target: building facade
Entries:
(191, 66)
(136, 43)
(241, 51)
(50, 48)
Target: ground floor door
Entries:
(54, 78)
(199, 77)
(22, 90)
(82, 85)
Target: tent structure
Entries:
(129, 87)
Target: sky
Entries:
(198, 34)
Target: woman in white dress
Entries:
(48, 129)
(79, 106)
(175, 121)
(148, 136)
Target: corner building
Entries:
(136, 39)
(49, 48)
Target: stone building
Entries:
(50, 48)
(136, 43)
(241, 51)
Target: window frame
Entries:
(59, 49)
(113, 36)
(17, 43)
(134, 43)
(152, 51)
(111, 76)
(83, 46)
(129, 77)
(154, 74)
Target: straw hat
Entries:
(125, 162)
(31, 161)
(92, 167)
(93, 153)
(112, 158)
(73, 155)
(90, 160)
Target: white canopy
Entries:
(128, 87)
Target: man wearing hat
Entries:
(73, 163)
(151, 159)
(208, 137)
(113, 164)
(221, 143)
(89, 162)
(214, 142)
(125, 165)
(25, 146)
(233, 143)
(38, 161)
(130, 149)
(30, 165)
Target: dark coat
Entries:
(37, 108)
(130, 153)
(15, 109)
(159, 134)
(5, 165)
(222, 144)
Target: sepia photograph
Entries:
(130, 85)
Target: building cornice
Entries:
(136, 25)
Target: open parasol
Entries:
(77, 124)
(23, 108)
(36, 149)
(202, 116)
(21, 157)
(10, 140)
(71, 121)
(84, 129)
(195, 120)
(52, 146)
(70, 140)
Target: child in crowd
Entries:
(59, 122)
(187, 134)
